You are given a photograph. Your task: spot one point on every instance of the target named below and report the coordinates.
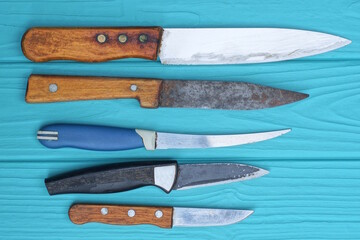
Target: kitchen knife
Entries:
(104, 138)
(167, 175)
(153, 93)
(164, 217)
(176, 45)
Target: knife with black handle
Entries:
(167, 175)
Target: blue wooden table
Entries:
(313, 189)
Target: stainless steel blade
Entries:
(201, 175)
(174, 140)
(199, 217)
(224, 95)
(242, 45)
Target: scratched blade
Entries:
(202, 217)
(224, 95)
(178, 141)
(201, 175)
(242, 45)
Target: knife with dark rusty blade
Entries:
(194, 46)
(153, 93)
(164, 217)
(166, 175)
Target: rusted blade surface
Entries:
(202, 175)
(224, 95)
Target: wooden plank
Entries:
(297, 200)
(312, 191)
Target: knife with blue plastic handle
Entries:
(105, 138)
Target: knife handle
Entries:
(47, 88)
(91, 137)
(91, 44)
(115, 178)
(121, 214)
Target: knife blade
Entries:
(176, 45)
(164, 217)
(105, 138)
(166, 175)
(153, 93)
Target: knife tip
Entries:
(244, 214)
(262, 172)
(304, 95)
(346, 41)
(284, 131)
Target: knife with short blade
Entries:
(164, 217)
(166, 175)
(105, 138)
(153, 93)
(197, 46)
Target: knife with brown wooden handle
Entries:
(91, 44)
(197, 46)
(121, 215)
(153, 93)
(165, 217)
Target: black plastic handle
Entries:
(115, 178)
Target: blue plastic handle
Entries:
(99, 138)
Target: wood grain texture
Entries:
(118, 214)
(91, 44)
(312, 191)
(72, 88)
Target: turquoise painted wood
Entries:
(313, 190)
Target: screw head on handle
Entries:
(53, 87)
(158, 213)
(104, 211)
(131, 213)
(133, 87)
(122, 38)
(143, 38)
(101, 38)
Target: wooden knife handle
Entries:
(91, 44)
(47, 88)
(121, 215)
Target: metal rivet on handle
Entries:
(122, 38)
(143, 38)
(53, 87)
(133, 87)
(104, 211)
(131, 213)
(101, 38)
(158, 213)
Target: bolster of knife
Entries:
(48, 88)
(91, 44)
(115, 178)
